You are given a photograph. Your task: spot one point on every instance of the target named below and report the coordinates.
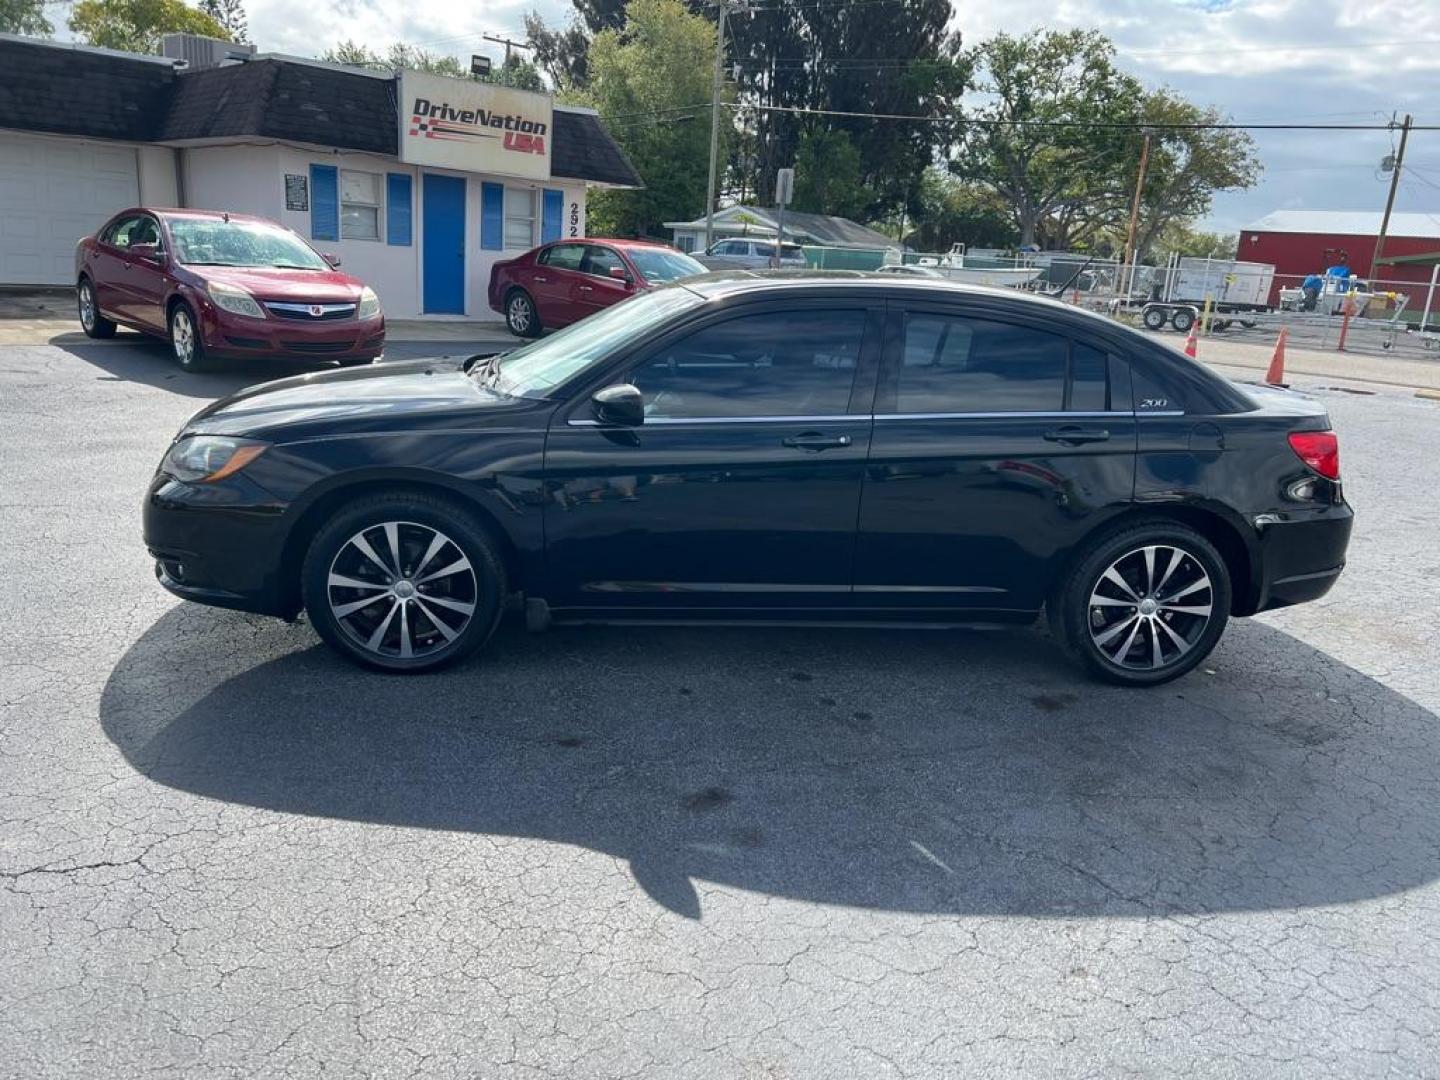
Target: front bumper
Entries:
(220, 544)
(236, 337)
(1302, 557)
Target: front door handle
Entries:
(540, 280)
(1073, 435)
(586, 288)
(814, 440)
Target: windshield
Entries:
(661, 266)
(535, 369)
(211, 242)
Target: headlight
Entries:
(234, 299)
(369, 304)
(203, 459)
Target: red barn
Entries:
(1300, 242)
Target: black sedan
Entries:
(845, 449)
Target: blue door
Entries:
(443, 222)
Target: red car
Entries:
(219, 285)
(562, 282)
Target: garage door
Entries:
(53, 192)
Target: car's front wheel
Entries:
(520, 314)
(1143, 605)
(92, 322)
(185, 341)
(403, 582)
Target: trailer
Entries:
(1230, 287)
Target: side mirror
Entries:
(619, 404)
(150, 253)
(331, 258)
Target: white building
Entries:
(418, 183)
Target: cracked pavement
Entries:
(695, 853)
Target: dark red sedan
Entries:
(561, 282)
(219, 285)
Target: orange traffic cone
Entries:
(1276, 375)
(1192, 343)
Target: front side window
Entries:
(599, 261)
(563, 256)
(124, 232)
(660, 265)
(519, 217)
(952, 364)
(798, 363)
(359, 205)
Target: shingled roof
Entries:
(147, 100)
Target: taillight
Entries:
(1318, 449)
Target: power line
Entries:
(1118, 125)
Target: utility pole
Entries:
(508, 45)
(1390, 202)
(1135, 212)
(715, 86)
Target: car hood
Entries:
(271, 283)
(412, 395)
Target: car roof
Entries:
(616, 243)
(186, 212)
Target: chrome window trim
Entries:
(670, 421)
(1040, 415)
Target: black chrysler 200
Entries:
(782, 448)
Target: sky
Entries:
(1267, 61)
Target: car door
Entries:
(145, 279)
(556, 273)
(109, 268)
(740, 489)
(594, 287)
(1000, 441)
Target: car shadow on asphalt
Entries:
(893, 770)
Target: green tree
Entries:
(1187, 166)
(561, 54)
(642, 79)
(950, 211)
(229, 14)
(1179, 237)
(139, 25)
(1037, 146)
(24, 17)
(828, 174)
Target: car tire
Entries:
(92, 322)
(1138, 619)
(437, 606)
(1154, 318)
(521, 317)
(1182, 319)
(185, 343)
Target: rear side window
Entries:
(784, 364)
(563, 256)
(953, 364)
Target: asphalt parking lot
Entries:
(696, 853)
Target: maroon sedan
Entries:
(562, 282)
(223, 285)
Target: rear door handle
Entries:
(540, 280)
(1072, 435)
(586, 288)
(814, 440)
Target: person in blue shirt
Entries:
(1310, 289)
(1341, 273)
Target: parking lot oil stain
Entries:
(1052, 702)
(802, 676)
(685, 691)
(828, 701)
(748, 838)
(570, 742)
(706, 799)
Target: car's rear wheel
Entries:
(185, 340)
(520, 314)
(403, 582)
(92, 322)
(1182, 319)
(1143, 605)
